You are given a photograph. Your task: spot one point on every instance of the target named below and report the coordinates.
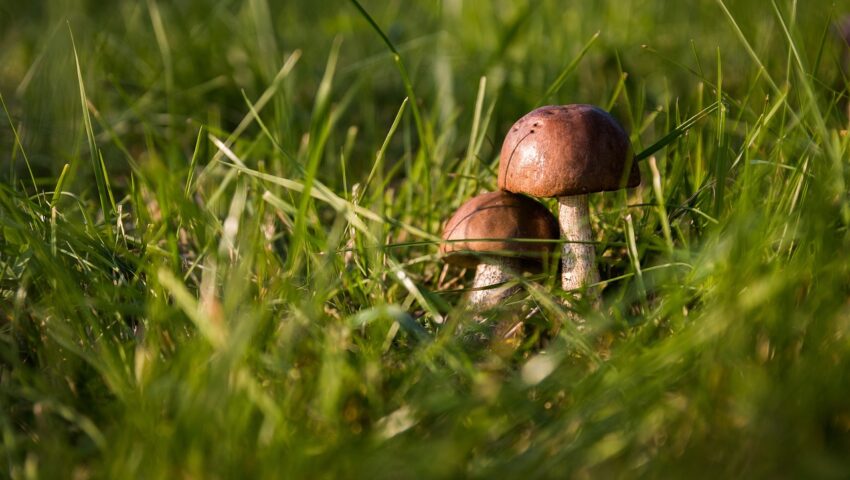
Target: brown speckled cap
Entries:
(557, 151)
(498, 215)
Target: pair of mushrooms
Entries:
(566, 152)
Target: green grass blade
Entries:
(18, 143)
(196, 153)
(678, 131)
(422, 128)
(562, 77)
(743, 38)
(60, 184)
(104, 191)
(212, 332)
(383, 151)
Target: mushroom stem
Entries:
(578, 259)
(487, 274)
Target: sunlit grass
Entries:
(219, 227)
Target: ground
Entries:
(220, 226)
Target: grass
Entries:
(219, 226)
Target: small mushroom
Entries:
(568, 152)
(482, 234)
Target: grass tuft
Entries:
(227, 264)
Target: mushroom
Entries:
(480, 234)
(568, 152)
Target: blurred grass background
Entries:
(172, 302)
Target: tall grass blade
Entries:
(104, 191)
(562, 76)
(678, 131)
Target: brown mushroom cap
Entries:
(557, 151)
(500, 216)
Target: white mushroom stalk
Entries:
(491, 284)
(578, 257)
